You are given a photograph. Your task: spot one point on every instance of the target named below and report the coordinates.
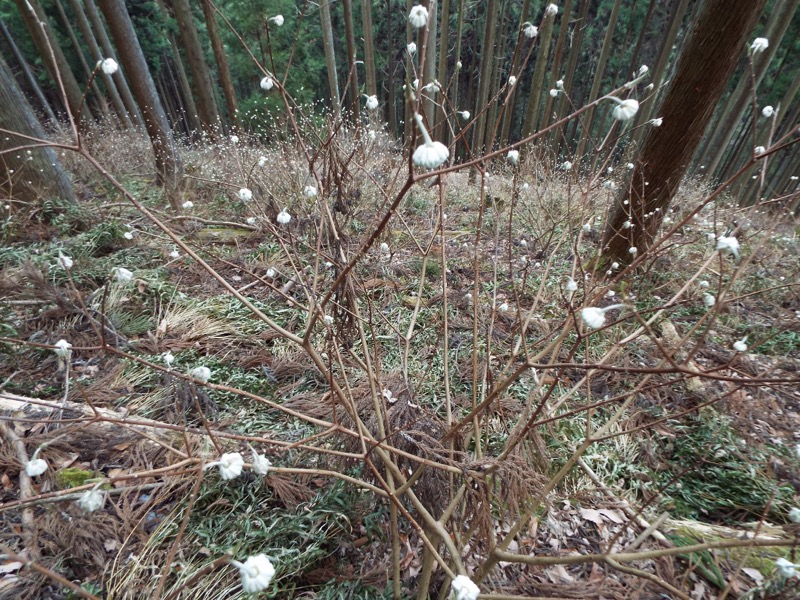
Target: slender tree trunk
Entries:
(558, 56)
(498, 80)
(457, 58)
(557, 135)
(643, 34)
(659, 71)
(704, 68)
(486, 72)
(108, 51)
(330, 55)
(741, 98)
(203, 86)
(56, 62)
(184, 102)
(26, 71)
(408, 120)
(350, 37)
(222, 63)
(369, 48)
(520, 51)
(605, 51)
(391, 92)
(537, 86)
(96, 55)
(36, 175)
(431, 60)
(97, 96)
(441, 70)
(169, 165)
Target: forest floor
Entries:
(721, 459)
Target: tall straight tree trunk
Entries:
(441, 69)
(184, 103)
(98, 97)
(704, 68)
(369, 48)
(391, 102)
(56, 64)
(519, 54)
(537, 85)
(558, 56)
(741, 99)
(643, 34)
(486, 72)
(169, 165)
(203, 86)
(347, 7)
(605, 51)
(557, 136)
(37, 175)
(119, 77)
(26, 71)
(454, 96)
(330, 55)
(96, 55)
(222, 63)
(499, 79)
(431, 60)
(408, 122)
(658, 73)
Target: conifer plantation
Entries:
(400, 299)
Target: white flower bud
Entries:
(122, 275)
(464, 588)
(109, 66)
(35, 467)
(245, 195)
(284, 217)
(63, 348)
(260, 464)
(256, 573)
(91, 500)
(201, 374)
(230, 465)
(625, 109)
(728, 244)
(759, 45)
(418, 17)
(64, 260)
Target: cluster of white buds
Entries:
(108, 65)
(283, 217)
(529, 30)
(418, 17)
(256, 573)
(596, 317)
(372, 102)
